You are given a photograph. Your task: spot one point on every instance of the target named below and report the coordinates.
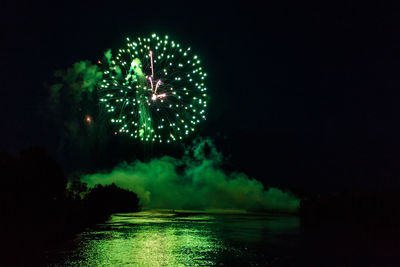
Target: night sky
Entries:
(302, 96)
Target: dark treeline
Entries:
(40, 207)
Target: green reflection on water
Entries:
(163, 238)
(155, 240)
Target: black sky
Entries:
(304, 96)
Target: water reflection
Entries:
(170, 239)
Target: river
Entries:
(188, 238)
(170, 238)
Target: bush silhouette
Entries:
(110, 198)
(38, 210)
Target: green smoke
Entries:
(200, 184)
(73, 98)
(73, 109)
(144, 114)
(108, 56)
(79, 79)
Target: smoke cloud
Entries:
(197, 181)
(73, 106)
(79, 79)
(108, 56)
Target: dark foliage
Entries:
(38, 211)
(111, 198)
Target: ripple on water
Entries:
(171, 239)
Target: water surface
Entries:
(168, 238)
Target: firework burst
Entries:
(153, 90)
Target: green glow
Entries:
(163, 238)
(203, 184)
(148, 84)
(155, 241)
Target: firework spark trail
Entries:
(151, 61)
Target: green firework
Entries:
(153, 90)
